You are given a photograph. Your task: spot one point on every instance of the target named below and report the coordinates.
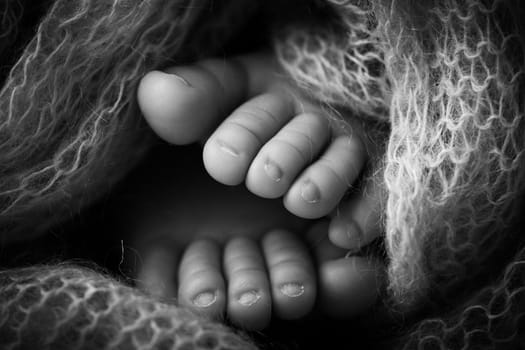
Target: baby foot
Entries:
(277, 277)
(274, 140)
(244, 279)
(249, 281)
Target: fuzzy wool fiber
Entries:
(445, 77)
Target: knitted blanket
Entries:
(445, 77)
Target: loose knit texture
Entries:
(339, 63)
(493, 318)
(453, 86)
(446, 76)
(452, 79)
(454, 165)
(68, 307)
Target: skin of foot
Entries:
(281, 145)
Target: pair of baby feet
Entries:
(280, 144)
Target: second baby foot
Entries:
(247, 279)
(273, 139)
(250, 281)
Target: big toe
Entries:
(182, 104)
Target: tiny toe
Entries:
(292, 275)
(279, 161)
(249, 299)
(159, 270)
(201, 285)
(230, 150)
(358, 221)
(322, 185)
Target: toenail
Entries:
(228, 149)
(292, 290)
(181, 79)
(353, 232)
(205, 299)
(354, 237)
(249, 298)
(273, 171)
(310, 192)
